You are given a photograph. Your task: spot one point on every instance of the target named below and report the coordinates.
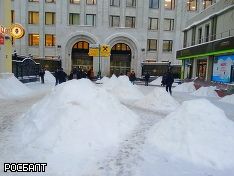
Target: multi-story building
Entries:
(136, 30)
(5, 40)
(208, 44)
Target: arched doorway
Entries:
(80, 57)
(120, 59)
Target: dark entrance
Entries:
(232, 74)
(120, 60)
(80, 57)
(201, 68)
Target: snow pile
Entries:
(156, 82)
(159, 100)
(123, 89)
(228, 99)
(185, 87)
(103, 80)
(206, 92)
(49, 78)
(12, 88)
(198, 132)
(73, 127)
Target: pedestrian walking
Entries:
(56, 76)
(62, 76)
(169, 79)
(147, 76)
(132, 77)
(42, 75)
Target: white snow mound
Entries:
(206, 92)
(103, 80)
(123, 89)
(159, 100)
(72, 126)
(228, 99)
(156, 82)
(12, 88)
(198, 132)
(185, 87)
(49, 78)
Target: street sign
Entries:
(1, 40)
(105, 50)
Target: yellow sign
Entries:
(104, 50)
(16, 31)
(94, 52)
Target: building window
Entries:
(33, 17)
(75, 1)
(130, 22)
(207, 33)
(131, 3)
(152, 45)
(91, 2)
(49, 18)
(114, 21)
(91, 19)
(33, 0)
(207, 3)
(49, 40)
(169, 4)
(167, 45)
(168, 24)
(191, 5)
(154, 4)
(50, 1)
(193, 36)
(33, 39)
(74, 19)
(185, 39)
(200, 35)
(153, 24)
(12, 16)
(115, 3)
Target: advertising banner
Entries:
(222, 68)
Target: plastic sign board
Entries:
(105, 50)
(95, 48)
(1, 40)
(15, 30)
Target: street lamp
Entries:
(99, 61)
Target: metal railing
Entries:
(210, 38)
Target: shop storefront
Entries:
(213, 61)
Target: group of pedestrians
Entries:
(77, 74)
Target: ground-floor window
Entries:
(201, 68)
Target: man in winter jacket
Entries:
(169, 79)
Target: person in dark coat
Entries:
(163, 82)
(56, 76)
(147, 76)
(169, 81)
(132, 77)
(42, 75)
(61, 76)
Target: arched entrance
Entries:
(80, 57)
(120, 59)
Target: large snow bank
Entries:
(49, 78)
(156, 82)
(12, 88)
(159, 100)
(206, 92)
(228, 99)
(123, 89)
(198, 132)
(103, 80)
(185, 87)
(72, 126)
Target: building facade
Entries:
(5, 40)
(136, 31)
(208, 44)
